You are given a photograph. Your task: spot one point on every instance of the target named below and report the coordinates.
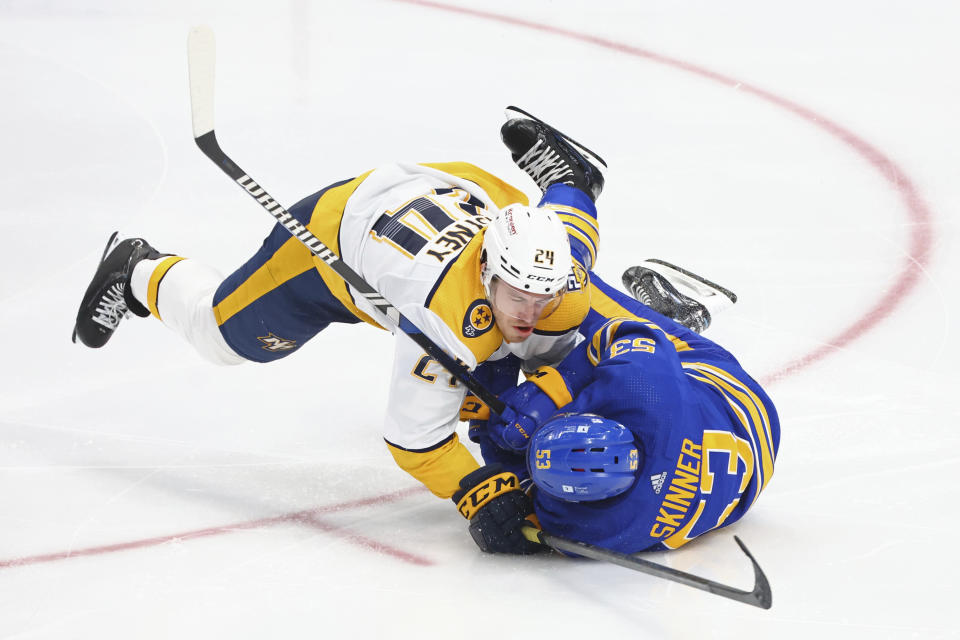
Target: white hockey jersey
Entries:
(414, 232)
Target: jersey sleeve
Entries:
(579, 214)
(440, 467)
(423, 408)
(590, 361)
(497, 376)
(629, 357)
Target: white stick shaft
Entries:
(201, 51)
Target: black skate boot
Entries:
(550, 157)
(108, 299)
(655, 283)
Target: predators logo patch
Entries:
(274, 343)
(478, 319)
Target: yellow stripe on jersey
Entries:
(750, 411)
(681, 538)
(439, 469)
(290, 260)
(726, 513)
(603, 338)
(325, 225)
(585, 239)
(499, 191)
(743, 416)
(459, 287)
(581, 226)
(610, 308)
(745, 394)
(153, 287)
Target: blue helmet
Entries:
(583, 457)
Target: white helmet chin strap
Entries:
(486, 275)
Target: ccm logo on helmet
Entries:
(534, 276)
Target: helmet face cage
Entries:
(583, 457)
(528, 249)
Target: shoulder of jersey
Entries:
(458, 299)
(500, 193)
(574, 306)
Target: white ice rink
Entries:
(803, 154)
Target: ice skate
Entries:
(550, 157)
(677, 293)
(108, 299)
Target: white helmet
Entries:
(528, 249)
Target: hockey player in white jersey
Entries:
(455, 249)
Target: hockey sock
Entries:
(180, 293)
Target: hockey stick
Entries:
(760, 596)
(201, 55)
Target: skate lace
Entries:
(544, 165)
(649, 290)
(112, 307)
(641, 294)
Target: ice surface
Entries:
(804, 155)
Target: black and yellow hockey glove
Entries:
(497, 509)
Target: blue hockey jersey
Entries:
(707, 432)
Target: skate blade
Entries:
(514, 112)
(697, 284)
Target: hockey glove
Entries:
(527, 408)
(497, 509)
(492, 454)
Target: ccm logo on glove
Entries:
(498, 511)
(485, 491)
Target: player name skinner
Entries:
(683, 487)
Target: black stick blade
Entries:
(760, 596)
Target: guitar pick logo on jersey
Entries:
(478, 319)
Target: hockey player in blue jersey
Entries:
(646, 436)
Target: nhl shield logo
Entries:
(478, 319)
